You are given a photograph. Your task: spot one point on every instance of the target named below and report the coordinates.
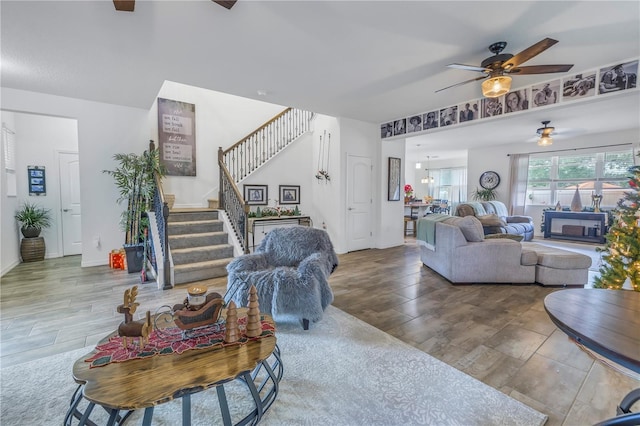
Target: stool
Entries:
(413, 221)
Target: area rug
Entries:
(340, 372)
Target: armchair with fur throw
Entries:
(290, 269)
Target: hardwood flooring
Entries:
(499, 334)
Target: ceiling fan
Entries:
(497, 68)
(129, 5)
(545, 134)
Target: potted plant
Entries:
(485, 194)
(135, 179)
(33, 219)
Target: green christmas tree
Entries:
(622, 258)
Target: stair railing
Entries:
(161, 209)
(233, 204)
(247, 155)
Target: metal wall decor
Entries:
(323, 158)
(37, 180)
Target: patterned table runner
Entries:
(170, 341)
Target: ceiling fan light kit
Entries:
(545, 134)
(496, 86)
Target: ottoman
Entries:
(559, 267)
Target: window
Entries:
(555, 178)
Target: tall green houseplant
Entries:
(135, 179)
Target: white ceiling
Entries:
(367, 60)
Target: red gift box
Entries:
(116, 259)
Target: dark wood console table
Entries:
(591, 226)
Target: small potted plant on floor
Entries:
(33, 219)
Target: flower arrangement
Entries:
(408, 190)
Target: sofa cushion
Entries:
(469, 225)
(506, 236)
(496, 207)
(561, 259)
(528, 257)
(491, 220)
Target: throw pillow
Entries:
(491, 220)
(471, 228)
(505, 236)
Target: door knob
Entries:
(65, 210)
(350, 208)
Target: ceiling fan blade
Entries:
(540, 69)
(225, 3)
(460, 84)
(529, 53)
(124, 5)
(467, 67)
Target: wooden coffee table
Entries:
(122, 387)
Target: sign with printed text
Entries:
(177, 140)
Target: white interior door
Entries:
(359, 203)
(70, 203)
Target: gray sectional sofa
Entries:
(496, 219)
(456, 248)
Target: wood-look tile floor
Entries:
(499, 334)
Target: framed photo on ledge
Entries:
(289, 194)
(256, 195)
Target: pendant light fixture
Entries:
(545, 134)
(427, 179)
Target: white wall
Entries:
(391, 222)
(327, 205)
(221, 121)
(103, 130)
(39, 141)
(9, 242)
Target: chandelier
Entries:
(427, 179)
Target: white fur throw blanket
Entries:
(290, 269)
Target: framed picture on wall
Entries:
(256, 195)
(394, 179)
(289, 194)
(37, 180)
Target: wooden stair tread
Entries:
(199, 248)
(206, 263)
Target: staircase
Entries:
(199, 247)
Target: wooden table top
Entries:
(605, 321)
(146, 382)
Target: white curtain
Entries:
(519, 172)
